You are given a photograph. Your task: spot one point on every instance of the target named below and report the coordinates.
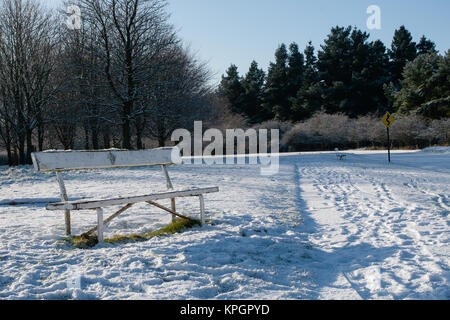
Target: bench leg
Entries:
(67, 218)
(173, 207)
(64, 197)
(100, 224)
(202, 209)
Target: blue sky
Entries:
(222, 32)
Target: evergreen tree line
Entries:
(349, 75)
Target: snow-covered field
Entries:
(320, 229)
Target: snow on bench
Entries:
(58, 161)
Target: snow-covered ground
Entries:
(320, 229)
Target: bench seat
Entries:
(99, 203)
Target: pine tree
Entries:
(276, 100)
(350, 69)
(308, 98)
(426, 86)
(403, 50)
(438, 105)
(426, 46)
(311, 74)
(378, 74)
(231, 87)
(253, 84)
(335, 69)
(295, 71)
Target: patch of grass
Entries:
(82, 242)
(85, 241)
(124, 239)
(175, 227)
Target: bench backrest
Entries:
(56, 160)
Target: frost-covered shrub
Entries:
(321, 132)
(282, 126)
(300, 138)
(333, 128)
(407, 130)
(440, 129)
(326, 132)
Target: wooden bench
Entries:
(58, 161)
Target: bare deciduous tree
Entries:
(131, 36)
(27, 44)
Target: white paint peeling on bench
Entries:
(93, 204)
(57, 160)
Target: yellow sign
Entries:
(388, 120)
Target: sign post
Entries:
(389, 145)
(388, 120)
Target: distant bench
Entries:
(58, 161)
(339, 155)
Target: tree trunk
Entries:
(161, 141)
(94, 138)
(126, 129)
(86, 137)
(9, 153)
(139, 144)
(15, 157)
(30, 147)
(126, 136)
(6, 135)
(41, 137)
(139, 129)
(21, 141)
(106, 139)
(161, 131)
